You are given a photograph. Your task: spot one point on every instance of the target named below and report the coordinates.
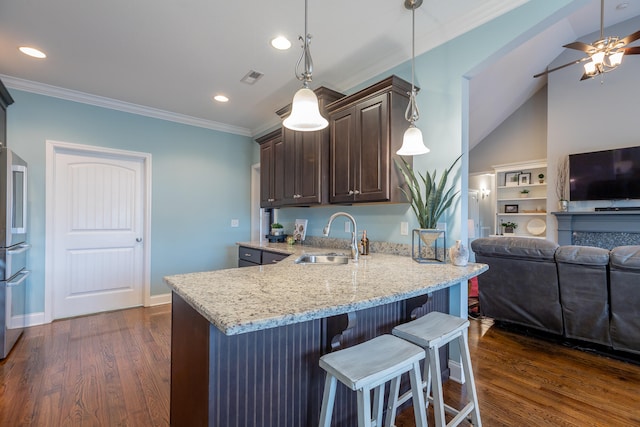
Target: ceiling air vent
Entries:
(251, 77)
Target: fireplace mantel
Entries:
(605, 229)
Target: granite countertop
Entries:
(241, 300)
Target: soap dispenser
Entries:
(364, 243)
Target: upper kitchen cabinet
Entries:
(366, 130)
(306, 156)
(272, 161)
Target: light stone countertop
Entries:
(241, 300)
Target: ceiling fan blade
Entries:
(632, 50)
(560, 67)
(580, 46)
(585, 76)
(631, 38)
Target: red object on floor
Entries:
(473, 290)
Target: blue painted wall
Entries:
(201, 180)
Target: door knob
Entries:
(139, 239)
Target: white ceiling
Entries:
(163, 57)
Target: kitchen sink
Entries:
(329, 258)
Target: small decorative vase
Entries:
(459, 254)
(563, 205)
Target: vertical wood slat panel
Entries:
(277, 392)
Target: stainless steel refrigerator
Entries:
(13, 248)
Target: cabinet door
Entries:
(372, 135)
(271, 170)
(311, 157)
(266, 175)
(343, 156)
(279, 173)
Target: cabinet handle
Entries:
(357, 192)
(247, 255)
(350, 192)
(271, 200)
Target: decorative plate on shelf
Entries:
(536, 226)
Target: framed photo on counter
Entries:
(511, 209)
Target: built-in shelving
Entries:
(527, 212)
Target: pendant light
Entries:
(412, 142)
(305, 115)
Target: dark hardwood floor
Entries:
(112, 369)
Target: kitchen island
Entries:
(246, 342)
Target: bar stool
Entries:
(431, 332)
(368, 366)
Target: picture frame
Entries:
(511, 179)
(511, 209)
(524, 179)
(300, 230)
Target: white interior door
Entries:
(98, 228)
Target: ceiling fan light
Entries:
(305, 115)
(597, 57)
(615, 59)
(590, 68)
(412, 143)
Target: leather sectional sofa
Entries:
(578, 292)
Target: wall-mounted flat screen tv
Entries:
(605, 175)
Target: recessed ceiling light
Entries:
(32, 51)
(281, 43)
(622, 5)
(221, 98)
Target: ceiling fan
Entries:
(605, 54)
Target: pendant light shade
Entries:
(305, 114)
(412, 143)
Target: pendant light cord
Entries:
(305, 76)
(412, 114)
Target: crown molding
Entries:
(114, 104)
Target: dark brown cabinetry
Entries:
(248, 257)
(366, 130)
(272, 169)
(306, 156)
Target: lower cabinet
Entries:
(249, 257)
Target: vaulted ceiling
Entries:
(170, 57)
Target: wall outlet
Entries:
(235, 223)
(404, 228)
(347, 226)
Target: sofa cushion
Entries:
(626, 257)
(515, 247)
(582, 255)
(521, 285)
(624, 288)
(584, 294)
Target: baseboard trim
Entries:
(455, 371)
(159, 299)
(31, 319)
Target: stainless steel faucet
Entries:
(354, 246)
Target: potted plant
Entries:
(541, 178)
(276, 229)
(509, 227)
(524, 193)
(429, 197)
(561, 184)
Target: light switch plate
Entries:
(235, 223)
(347, 227)
(404, 228)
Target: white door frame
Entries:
(52, 148)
